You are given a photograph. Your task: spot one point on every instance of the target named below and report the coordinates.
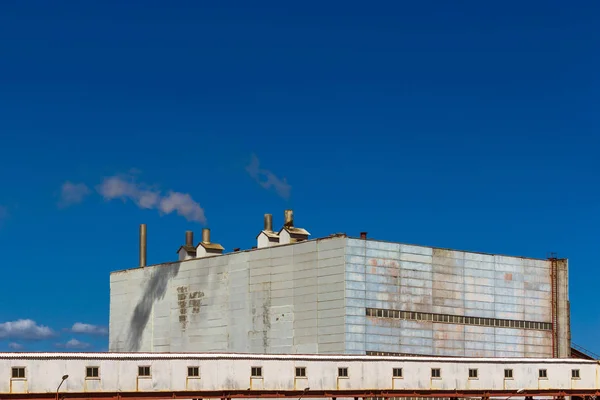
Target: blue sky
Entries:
(466, 125)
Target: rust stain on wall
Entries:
(508, 277)
(383, 262)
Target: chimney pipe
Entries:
(205, 235)
(189, 238)
(288, 218)
(363, 235)
(268, 223)
(142, 245)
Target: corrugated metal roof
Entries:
(211, 246)
(295, 231)
(303, 357)
(189, 249)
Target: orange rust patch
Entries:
(373, 262)
(508, 277)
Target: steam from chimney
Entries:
(288, 218)
(205, 235)
(189, 238)
(142, 245)
(147, 197)
(268, 223)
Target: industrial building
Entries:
(141, 376)
(340, 295)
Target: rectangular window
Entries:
(397, 372)
(472, 374)
(574, 374)
(543, 374)
(92, 372)
(436, 373)
(508, 374)
(343, 372)
(18, 372)
(300, 372)
(144, 370)
(256, 372)
(193, 372)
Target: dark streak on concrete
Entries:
(196, 301)
(155, 290)
(266, 318)
(182, 293)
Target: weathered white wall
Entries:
(263, 241)
(118, 373)
(311, 297)
(284, 237)
(281, 299)
(394, 276)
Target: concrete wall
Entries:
(319, 297)
(563, 310)
(426, 281)
(283, 299)
(119, 373)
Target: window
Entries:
(193, 372)
(543, 374)
(300, 372)
(256, 372)
(508, 374)
(472, 373)
(436, 373)
(18, 372)
(92, 372)
(144, 371)
(397, 373)
(343, 372)
(574, 374)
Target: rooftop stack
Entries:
(289, 233)
(266, 237)
(142, 245)
(205, 248)
(187, 251)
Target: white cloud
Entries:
(15, 346)
(267, 179)
(80, 327)
(24, 329)
(125, 188)
(73, 344)
(72, 193)
(184, 205)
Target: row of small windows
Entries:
(256, 372)
(94, 372)
(457, 319)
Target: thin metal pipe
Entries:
(142, 245)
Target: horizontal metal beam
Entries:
(296, 394)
